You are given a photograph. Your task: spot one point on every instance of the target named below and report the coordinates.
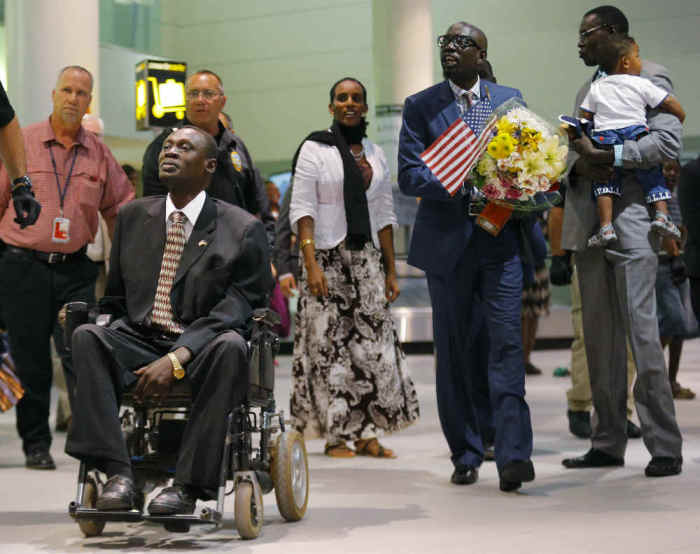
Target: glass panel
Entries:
(132, 24)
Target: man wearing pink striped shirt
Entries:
(74, 176)
(475, 279)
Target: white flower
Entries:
(486, 166)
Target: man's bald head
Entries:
(474, 32)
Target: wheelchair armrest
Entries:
(266, 317)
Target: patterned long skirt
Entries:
(536, 297)
(349, 375)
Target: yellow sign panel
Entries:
(160, 93)
(168, 66)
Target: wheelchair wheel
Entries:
(91, 527)
(248, 508)
(290, 474)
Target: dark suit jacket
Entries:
(224, 272)
(443, 227)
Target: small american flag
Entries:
(455, 151)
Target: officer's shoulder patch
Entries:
(236, 160)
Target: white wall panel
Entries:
(277, 59)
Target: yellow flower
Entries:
(505, 126)
(530, 138)
(501, 146)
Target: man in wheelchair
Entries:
(186, 273)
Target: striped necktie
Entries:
(162, 316)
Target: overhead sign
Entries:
(160, 93)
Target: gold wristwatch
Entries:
(178, 370)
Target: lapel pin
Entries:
(202, 243)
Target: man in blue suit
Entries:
(468, 269)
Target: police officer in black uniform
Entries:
(13, 156)
(236, 179)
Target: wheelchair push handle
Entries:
(74, 315)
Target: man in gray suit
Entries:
(617, 283)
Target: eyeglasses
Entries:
(585, 34)
(208, 94)
(462, 42)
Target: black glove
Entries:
(560, 271)
(27, 207)
(679, 272)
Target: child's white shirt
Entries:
(619, 101)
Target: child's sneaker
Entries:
(663, 225)
(603, 237)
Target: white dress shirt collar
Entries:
(191, 211)
(459, 91)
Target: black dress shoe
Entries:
(39, 459)
(515, 473)
(464, 475)
(120, 494)
(593, 458)
(509, 486)
(661, 466)
(178, 499)
(579, 424)
(633, 431)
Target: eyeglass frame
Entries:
(585, 34)
(208, 94)
(471, 42)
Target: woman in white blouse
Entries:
(350, 381)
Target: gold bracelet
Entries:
(306, 242)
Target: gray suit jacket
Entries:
(631, 215)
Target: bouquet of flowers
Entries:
(521, 166)
(11, 390)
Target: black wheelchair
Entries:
(260, 453)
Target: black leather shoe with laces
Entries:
(464, 475)
(592, 458)
(515, 473)
(661, 466)
(39, 459)
(178, 499)
(119, 494)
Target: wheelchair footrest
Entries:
(207, 516)
(80, 512)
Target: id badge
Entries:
(61, 230)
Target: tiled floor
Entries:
(407, 505)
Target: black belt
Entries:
(47, 257)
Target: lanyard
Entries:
(62, 194)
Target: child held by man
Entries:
(617, 104)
